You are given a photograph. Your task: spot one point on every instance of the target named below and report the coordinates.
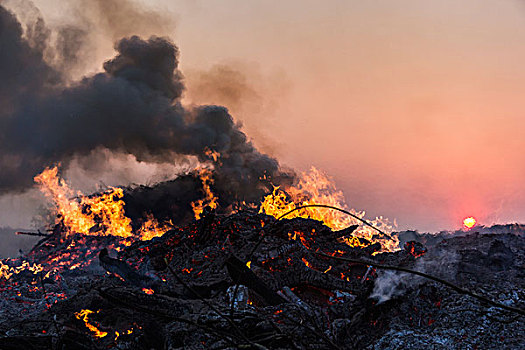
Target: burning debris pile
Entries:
(248, 280)
(217, 258)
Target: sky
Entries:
(414, 108)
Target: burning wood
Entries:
(209, 200)
(315, 188)
(37, 234)
(245, 279)
(236, 254)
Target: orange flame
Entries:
(209, 200)
(101, 215)
(316, 187)
(7, 271)
(212, 154)
(84, 316)
(151, 228)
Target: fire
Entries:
(300, 235)
(104, 214)
(151, 229)
(7, 271)
(209, 200)
(469, 222)
(101, 215)
(315, 187)
(212, 154)
(83, 315)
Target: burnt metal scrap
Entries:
(204, 285)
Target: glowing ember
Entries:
(148, 291)
(469, 222)
(84, 316)
(209, 200)
(126, 332)
(317, 188)
(7, 271)
(307, 263)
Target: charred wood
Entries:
(241, 274)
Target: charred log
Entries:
(241, 274)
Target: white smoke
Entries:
(389, 284)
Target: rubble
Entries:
(204, 285)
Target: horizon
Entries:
(413, 109)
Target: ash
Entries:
(192, 288)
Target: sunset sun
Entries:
(469, 222)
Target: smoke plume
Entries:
(441, 262)
(132, 107)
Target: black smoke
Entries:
(132, 107)
(23, 71)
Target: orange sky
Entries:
(415, 108)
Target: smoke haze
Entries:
(131, 108)
(415, 108)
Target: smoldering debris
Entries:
(193, 288)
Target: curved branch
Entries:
(334, 208)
